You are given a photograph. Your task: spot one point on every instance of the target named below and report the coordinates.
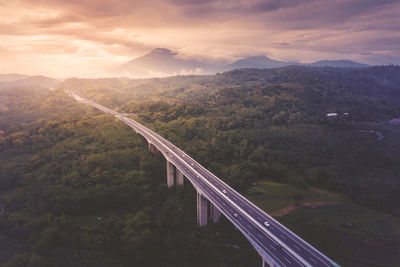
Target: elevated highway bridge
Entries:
(276, 244)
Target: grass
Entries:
(272, 196)
(350, 234)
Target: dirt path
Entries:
(293, 207)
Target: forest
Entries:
(79, 188)
(253, 124)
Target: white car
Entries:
(191, 164)
(235, 215)
(224, 191)
(266, 223)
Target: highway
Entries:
(276, 244)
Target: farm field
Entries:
(358, 236)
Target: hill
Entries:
(10, 81)
(259, 62)
(338, 64)
(11, 77)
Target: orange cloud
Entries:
(83, 37)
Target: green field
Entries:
(357, 236)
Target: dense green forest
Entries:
(247, 125)
(79, 188)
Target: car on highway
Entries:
(266, 223)
(235, 215)
(224, 191)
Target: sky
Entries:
(63, 38)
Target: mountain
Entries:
(258, 62)
(9, 81)
(163, 62)
(338, 64)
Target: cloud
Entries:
(109, 32)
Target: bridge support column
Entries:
(170, 174)
(179, 177)
(215, 213)
(152, 149)
(202, 210)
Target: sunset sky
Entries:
(64, 38)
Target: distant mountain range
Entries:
(163, 62)
(258, 62)
(9, 81)
(338, 64)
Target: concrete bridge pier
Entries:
(170, 174)
(152, 149)
(173, 174)
(215, 213)
(179, 177)
(206, 210)
(202, 210)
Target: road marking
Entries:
(312, 260)
(287, 260)
(260, 236)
